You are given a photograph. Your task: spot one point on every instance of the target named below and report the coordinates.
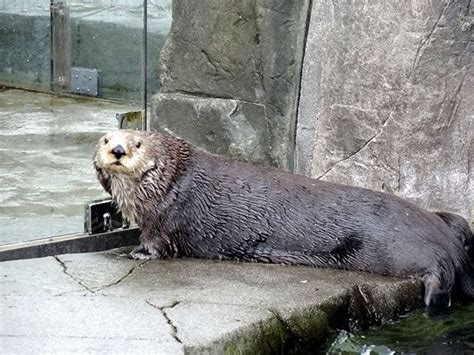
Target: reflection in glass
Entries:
(47, 141)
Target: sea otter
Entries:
(188, 202)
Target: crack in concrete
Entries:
(96, 289)
(174, 329)
(127, 274)
(419, 53)
(65, 270)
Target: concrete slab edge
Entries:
(310, 327)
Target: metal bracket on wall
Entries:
(85, 81)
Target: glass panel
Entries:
(25, 37)
(107, 35)
(158, 26)
(46, 151)
(47, 141)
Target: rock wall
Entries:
(230, 77)
(387, 99)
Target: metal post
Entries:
(60, 47)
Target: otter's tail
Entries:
(461, 230)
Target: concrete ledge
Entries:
(106, 302)
(309, 326)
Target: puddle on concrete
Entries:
(46, 172)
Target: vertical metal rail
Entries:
(60, 46)
(144, 65)
(51, 64)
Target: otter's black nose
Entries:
(118, 151)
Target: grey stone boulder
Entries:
(249, 51)
(222, 126)
(386, 100)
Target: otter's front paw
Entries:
(142, 252)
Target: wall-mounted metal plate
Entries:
(85, 81)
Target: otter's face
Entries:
(124, 152)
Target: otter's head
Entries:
(124, 152)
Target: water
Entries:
(46, 173)
(417, 333)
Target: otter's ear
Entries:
(104, 178)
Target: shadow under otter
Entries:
(191, 203)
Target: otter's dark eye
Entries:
(138, 145)
(106, 141)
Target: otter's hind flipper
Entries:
(437, 296)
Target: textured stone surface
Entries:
(104, 302)
(386, 99)
(250, 51)
(224, 126)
